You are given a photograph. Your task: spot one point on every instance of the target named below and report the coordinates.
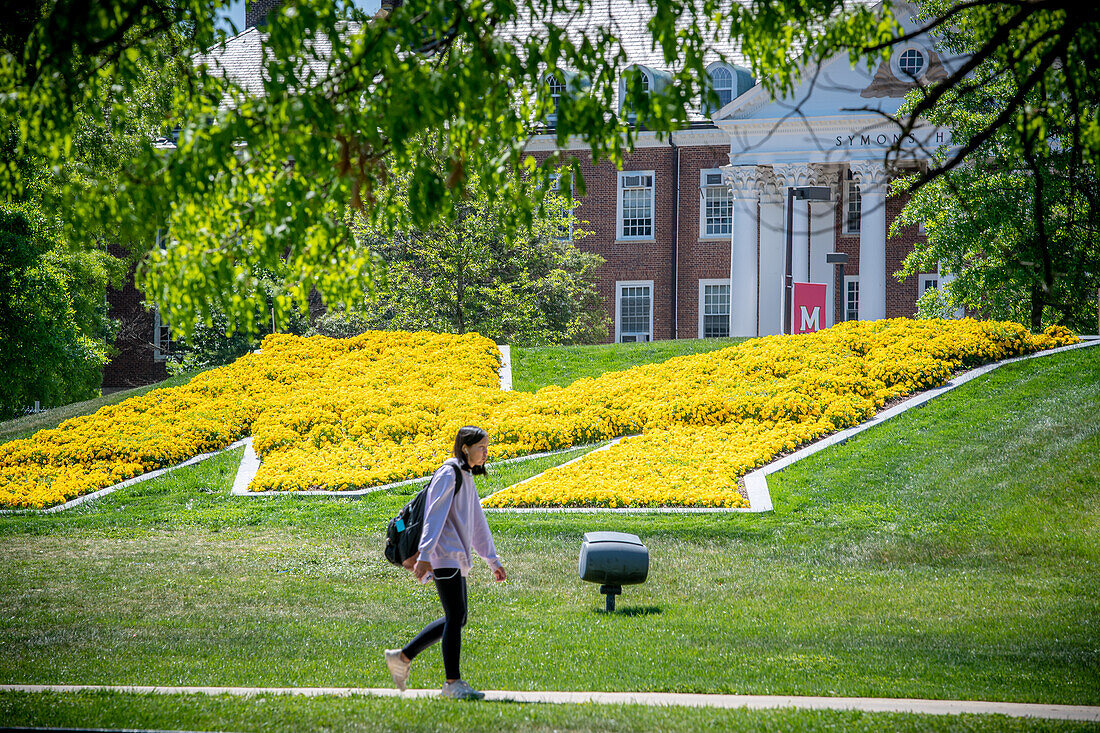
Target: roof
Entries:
(241, 58)
(628, 20)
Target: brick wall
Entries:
(653, 259)
(901, 297)
(133, 365)
(630, 260)
(700, 258)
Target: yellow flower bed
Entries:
(706, 420)
(165, 427)
(381, 407)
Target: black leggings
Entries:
(452, 594)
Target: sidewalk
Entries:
(753, 702)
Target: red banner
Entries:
(808, 307)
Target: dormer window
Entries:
(627, 102)
(911, 64)
(722, 80)
(555, 87)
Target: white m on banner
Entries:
(808, 311)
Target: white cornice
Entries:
(706, 136)
(797, 125)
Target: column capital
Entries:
(822, 174)
(743, 180)
(871, 174)
(793, 174)
(770, 191)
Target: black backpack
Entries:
(403, 534)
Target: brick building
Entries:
(693, 228)
(142, 341)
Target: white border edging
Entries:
(756, 483)
(128, 482)
(505, 367)
(250, 464)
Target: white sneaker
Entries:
(399, 668)
(460, 690)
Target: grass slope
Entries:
(28, 425)
(951, 553)
(537, 367)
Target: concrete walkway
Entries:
(750, 702)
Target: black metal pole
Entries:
(838, 306)
(611, 591)
(789, 276)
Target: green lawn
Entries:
(25, 427)
(533, 368)
(951, 553)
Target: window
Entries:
(852, 205)
(634, 307)
(716, 209)
(555, 87)
(851, 298)
(722, 80)
(161, 332)
(714, 308)
(161, 337)
(926, 282)
(627, 101)
(565, 234)
(911, 63)
(635, 205)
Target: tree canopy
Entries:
(525, 285)
(268, 169)
(1016, 229)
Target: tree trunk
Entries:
(1036, 308)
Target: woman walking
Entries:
(453, 524)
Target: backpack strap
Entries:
(458, 477)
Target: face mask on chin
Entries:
(475, 470)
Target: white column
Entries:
(773, 249)
(872, 238)
(797, 174)
(945, 279)
(823, 240)
(742, 181)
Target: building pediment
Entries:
(839, 112)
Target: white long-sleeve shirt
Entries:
(455, 524)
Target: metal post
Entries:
(841, 305)
(802, 193)
(839, 259)
(611, 590)
(788, 277)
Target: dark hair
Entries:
(468, 435)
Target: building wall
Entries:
(134, 363)
(653, 260)
(700, 258)
(901, 297)
(630, 260)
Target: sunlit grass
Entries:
(953, 552)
